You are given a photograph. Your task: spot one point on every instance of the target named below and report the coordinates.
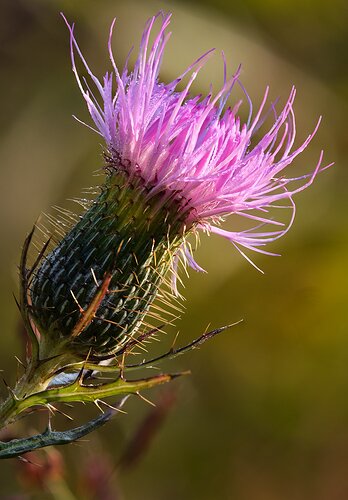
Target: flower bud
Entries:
(94, 289)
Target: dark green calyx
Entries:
(93, 290)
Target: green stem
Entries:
(77, 392)
(35, 379)
(49, 437)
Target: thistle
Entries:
(175, 165)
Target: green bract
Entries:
(91, 292)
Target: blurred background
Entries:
(264, 414)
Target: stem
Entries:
(36, 379)
(49, 437)
(77, 392)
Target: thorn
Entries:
(49, 423)
(51, 409)
(122, 365)
(174, 341)
(136, 341)
(78, 305)
(20, 362)
(145, 399)
(207, 328)
(81, 375)
(39, 257)
(64, 414)
(114, 408)
(11, 391)
(51, 413)
(96, 402)
(16, 301)
(118, 290)
(119, 247)
(135, 258)
(94, 278)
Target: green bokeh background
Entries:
(264, 414)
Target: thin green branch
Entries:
(173, 353)
(77, 392)
(17, 447)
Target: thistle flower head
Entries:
(196, 148)
(175, 164)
